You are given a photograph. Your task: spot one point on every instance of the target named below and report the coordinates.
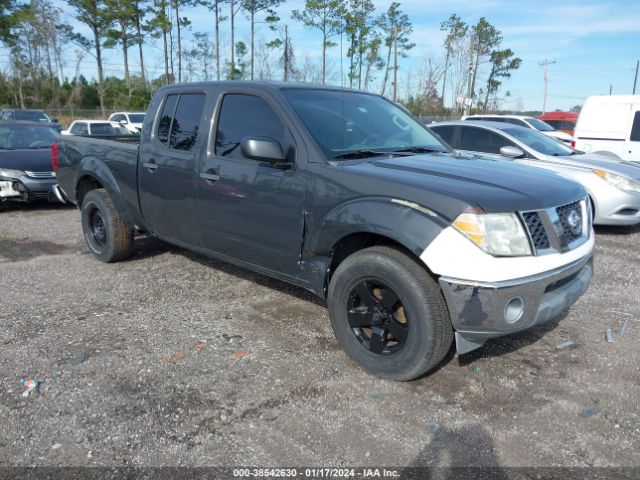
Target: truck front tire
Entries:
(389, 314)
(107, 236)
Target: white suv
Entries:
(131, 120)
(524, 121)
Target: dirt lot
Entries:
(174, 359)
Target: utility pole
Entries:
(286, 53)
(635, 80)
(545, 66)
(233, 61)
(610, 89)
(466, 105)
(395, 62)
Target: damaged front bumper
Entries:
(480, 311)
(26, 189)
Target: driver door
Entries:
(250, 210)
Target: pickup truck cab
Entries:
(345, 194)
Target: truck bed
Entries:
(117, 157)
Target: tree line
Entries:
(36, 38)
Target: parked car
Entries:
(561, 121)
(26, 173)
(524, 121)
(613, 186)
(610, 123)
(349, 196)
(96, 128)
(29, 115)
(131, 120)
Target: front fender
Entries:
(96, 168)
(413, 226)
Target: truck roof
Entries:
(262, 85)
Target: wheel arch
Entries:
(93, 174)
(360, 224)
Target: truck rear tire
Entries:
(107, 236)
(389, 314)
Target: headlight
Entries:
(618, 181)
(6, 173)
(499, 234)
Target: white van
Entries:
(610, 123)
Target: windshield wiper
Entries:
(419, 150)
(360, 154)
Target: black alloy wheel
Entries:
(377, 317)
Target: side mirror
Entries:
(511, 152)
(263, 149)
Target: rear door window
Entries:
(635, 129)
(101, 129)
(166, 116)
(245, 116)
(186, 121)
(480, 140)
(446, 133)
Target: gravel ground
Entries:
(171, 358)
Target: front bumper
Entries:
(480, 311)
(616, 207)
(25, 189)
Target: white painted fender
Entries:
(452, 255)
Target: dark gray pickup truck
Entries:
(347, 195)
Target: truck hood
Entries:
(32, 160)
(493, 185)
(589, 161)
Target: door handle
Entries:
(210, 176)
(153, 166)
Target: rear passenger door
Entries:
(632, 150)
(250, 210)
(168, 182)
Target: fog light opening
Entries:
(514, 310)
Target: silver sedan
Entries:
(613, 184)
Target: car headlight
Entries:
(6, 173)
(618, 181)
(499, 234)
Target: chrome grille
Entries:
(569, 224)
(558, 229)
(536, 229)
(41, 174)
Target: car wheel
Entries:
(107, 236)
(389, 314)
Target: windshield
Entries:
(539, 141)
(540, 125)
(343, 122)
(136, 117)
(31, 115)
(23, 137)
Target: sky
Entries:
(595, 44)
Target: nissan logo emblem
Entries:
(575, 222)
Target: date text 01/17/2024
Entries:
(315, 473)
